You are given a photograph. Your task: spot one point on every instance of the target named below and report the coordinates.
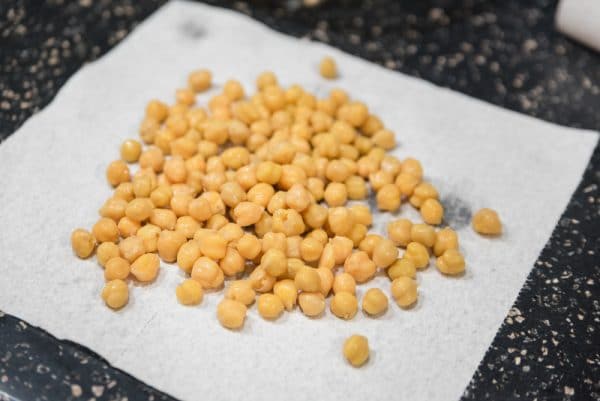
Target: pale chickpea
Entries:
(320, 235)
(357, 234)
(293, 246)
(142, 186)
(131, 150)
(316, 187)
(344, 305)
(328, 68)
(311, 249)
(363, 145)
(369, 243)
(131, 248)
(293, 266)
(106, 251)
(117, 172)
(105, 230)
(445, 239)
(281, 119)
(344, 132)
(163, 218)
(356, 188)
(116, 268)
(360, 266)
(385, 139)
(264, 225)
(402, 268)
(291, 175)
(213, 245)
(367, 166)
(139, 209)
(231, 232)
(406, 183)
(249, 246)
(269, 306)
(168, 245)
(374, 302)
(274, 262)
(212, 181)
(238, 132)
(113, 208)
(337, 171)
(246, 177)
(232, 263)
(312, 304)
(327, 259)
(157, 110)
(298, 198)
(207, 272)
(288, 222)
(418, 254)
(148, 129)
(315, 215)
(235, 157)
(261, 194)
(241, 291)
(326, 276)
(342, 248)
(423, 233)
(153, 158)
(486, 221)
(115, 294)
(277, 201)
(336, 194)
(232, 193)
(404, 291)
(432, 211)
(231, 313)
(261, 280)
(146, 267)
(308, 279)
(187, 255)
(187, 225)
(451, 262)
(128, 227)
(189, 292)
(287, 292)
(344, 282)
(340, 220)
(215, 203)
(389, 198)
(399, 231)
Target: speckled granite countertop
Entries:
(503, 52)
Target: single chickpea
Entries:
(116, 268)
(402, 268)
(432, 211)
(189, 292)
(281, 119)
(261, 194)
(233, 90)
(233, 263)
(235, 157)
(311, 249)
(117, 172)
(187, 255)
(266, 79)
(142, 186)
(288, 222)
(374, 302)
(269, 306)
(337, 171)
(105, 230)
(451, 262)
(238, 132)
(107, 251)
(326, 276)
(328, 68)
(327, 259)
(356, 188)
(115, 294)
(247, 213)
(297, 198)
(246, 177)
(274, 262)
(231, 232)
(349, 152)
(128, 227)
(486, 221)
(215, 203)
(199, 209)
(315, 215)
(418, 254)
(423, 233)
(308, 279)
(148, 129)
(422, 192)
(153, 158)
(291, 175)
(113, 208)
(241, 291)
(287, 292)
(445, 239)
(185, 97)
(131, 150)
(216, 222)
(232, 193)
(344, 305)
(362, 214)
(277, 201)
(357, 234)
(316, 187)
(385, 253)
(132, 248)
(184, 147)
(293, 246)
(163, 218)
(264, 225)
(312, 304)
(389, 198)
(213, 245)
(156, 110)
(360, 266)
(139, 209)
(168, 245)
(344, 282)
(200, 80)
(320, 235)
(83, 243)
(176, 126)
(369, 243)
(380, 178)
(399, 231)
(261, 280)
(187, 225)
(294, 265)
(356, 350)
(363, 145)
(207, 272)
(412, 166)
(404, 291)
(231, 313)
(340, 220)
(406, 183)
(145, 268)
(342, 248)
(249, 246)
(385, 139)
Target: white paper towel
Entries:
(477, 155)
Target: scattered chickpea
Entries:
(231, 313)
(487, 222)
(402, 268)
(200, 80)
(115, 294)
(369, 243)
(356, 350)
(207, 272)
(360, 266)
(399, 231)
(187, 255)
(116, 268)
(106, 251)
(404, 291)
(418, 254)
(344, 305)
(132, 248)
(451, 262)
(145, 268)
(385, 253)
(421, 193)
(247, 213)
(117, 173)
(389, 198)
(168, 245)
(274, 262)
(249, 246)
(311, 249)
(287, 292)
(269, 306)
(445, 239)
(312, 304)
(241, 291)
(423, 234)
(374, 302)
(213, 245)
(189, 292)
(83, 243)
(308, 279)
(328, 68)
(432, 211)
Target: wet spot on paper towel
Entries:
(192, 29)
(457, 212)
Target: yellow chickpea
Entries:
(168, 245)
(246, 177)
(207, 272)
(269, 306)
(412, 166)
(315, 215)
(189, 292)
(340, 220)
(107, 251)
(445, 239)
(274, 262)
(117, 173)
(199, 209)
(145, 268)
(451, 262)
(360, 266)
(293, 246)
(187, 226)
(342, 248)
(385, 253)
(344, 282)
(402, 268)
(404, 291)
(157, 110)
(389, 198)
(374, 302)
(143, 186)
(385, 139)
(231, 313)
(418, 254)
(249, 246)
(265, 79)
(241, 291)
(131, 150)
(399, 231)
(432, 211)
(380, 178)
(486, 221)
(115, 294)
(328, 68)
(327, 259)
(316, 187)
(312, 304)
(344, 305)
(369, 243)
(139, 209)
(357, 234)
(116, 268)
(320, 235)
(261, 194)
(233, 263)
(247, 213)
(233, 89)
(231, 232)
(406, 183)
(422, 192)
(291, 175)
(423, 233)
(261, 280)
(298, 198)
(128, 227)
(336, 194)
(200, 80)
(213, 245)
(187, 255)
(153, 158)
(356, 350)
(83, 243)
(113, 208)
(163, 218)
(105, 230)
(288, 222)
(311, 249)
(287, 292)
(273, 240)
(308, 279)
(131, 248)
(277, 201)
(356, 188)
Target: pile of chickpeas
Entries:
(251, 194)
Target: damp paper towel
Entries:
(476, 154)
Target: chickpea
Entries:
(342, 248)
(308, 279)
(233, 263)
(238, 132)
(389, 198)
(117, 173)
(207, 272)
(385, 138)
(199, 209)
(422, 192)
(249, 246)
(369, 243)
(315, 215)
(445, 239)
(139, 209)
(406, 183)
(356, 188)
(188, 254)
(288, 222)
(344, 305)
(423, 233)
(399, 231)
(379, 179)
(163, 218)
(157, 110)
(291, 175)
(451, 262)
(312, 304)
(336, 194)
(261, 280)
(189, 292)
(241, 291)
(246, 177)
(360, 266)
(107, 251)
(265, 79)
(274, 262)
(404, 291)
(328, 68)
(316, 187)
(128, 227)
(320, 235)
(200, 80)
(168, 245)
(486, 221)
(132, 248)
(293, 246)
(105, 230)
(231, 232)
(418, 254)
(363, 145)
(235, 157)
(152, 158)
(116, 268)
(340, 220)
(412, 166)
(287, 292)
(113, 208)
(176, 126)
(187, 226)
(277, 201)
(233, 90)
(261, 194)
(297, 198)
(145, 268)
(374, 302)
(357, 234)
(432, 211)
(264, 225)
(326, 276)
(231, 313)
(402, 268)
(311, 249)
(131, 150)
(148, 129)
(213, 245)
(142, 186)
(115, 294)
(269, 306)
(83, 243)
(344, 282)
(215, 203)
(327, 259)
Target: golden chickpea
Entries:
(128, 227)
(215, 203)
(385, 139)
(308, 279)
(287, 292)
(176, 126)
(249, 246)
(402, 268)
(163, 218)
(432, 211)
(357, 234)
(320, 235)
(247, 213)
(213, 245)
(385, 253)
(337, 171)
(264, 225)
(422, 192)
(265, 79)
(139, 209)
(189, 292)
(246, 177)
(105, 230)
(297, 198)
(344, 282)
(232, 194)
(233, 90)
(187, 226)
(153, 158)
(363, 145)
(342, 248)
(328, 68)
(241, 291)
(113, 208)
(116, 268)
(200, 80)
(274, 262)
(261, 194)
(233, 263)
(418, 254)
(131, 150)
(486, 221)
(293, 246)
(356, 350)
(269, 306)
(261, 280)
(149, 235)
(312, 304)
(423, 233)
(188, 254)
(281, 119)
(344, 305)
(115, 294)
(399, 231)
(360, 266)
(107, 251)
(199, 209)
(356, 188)
(157, 110)
(340, 220)
(445, 239)
(117, 172)
(145, 268)
(389, 198)
(235, 157)
(311, 249)
(291, 175)
(231, 232)
(369, 243)
(316, 187)
(379, 179)
(404, 291)
(327, 259)
(132, 248)
(148, 129)
(413, 167)
(326, 276)
(277, 201)
(315, 215)
(231, 313)
(185, 97)
(374, 302)
(451, 262)
(288, 222)
(207, 272)
(238, 132)
(142, 186)
(168, 245)
(406, 183)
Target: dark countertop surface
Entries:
(504, 52)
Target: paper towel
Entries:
(476, 154)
